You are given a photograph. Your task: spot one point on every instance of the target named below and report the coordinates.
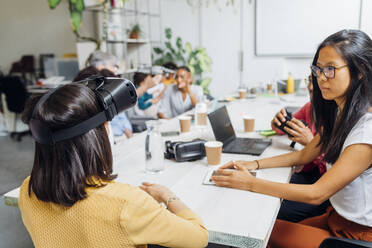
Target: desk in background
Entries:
(233, 217)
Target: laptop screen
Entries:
(221, 124)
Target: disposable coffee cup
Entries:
(213, 150)
(248, 123)
(201, 119)
(185, 123)
(242, 93)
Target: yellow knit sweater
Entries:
(116, 215)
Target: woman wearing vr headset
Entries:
(71, 198)
(342, 105)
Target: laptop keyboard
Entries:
(239, 144)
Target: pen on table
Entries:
(263, 130)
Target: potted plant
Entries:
(196, 58)
(135, 31)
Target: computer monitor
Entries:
(67, 68)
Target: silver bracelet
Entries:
(171, 199)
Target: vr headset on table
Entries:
(284, 124)
(114, 95)
(185, 151)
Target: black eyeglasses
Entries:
(328, 71)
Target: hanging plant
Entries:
(76, 8)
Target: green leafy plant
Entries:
(136, 28)
(196, 59)
(135, 31)
(76, 8)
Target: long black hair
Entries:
(61, 172)
(355, 47)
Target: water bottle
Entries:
(154, 148)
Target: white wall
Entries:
(30, 27)
(219, 31)
(264, 69)
(220, 34)
(181, 18)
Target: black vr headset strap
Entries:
(80, 128)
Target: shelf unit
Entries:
(135, 52)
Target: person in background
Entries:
(102, 60)
(120, 124)
(86, 73)
(342, 106)
(307, 174)
(170, 78)
(147, 99)
(181, 97)
(72, 199)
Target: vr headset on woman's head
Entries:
(157, 70)
(114, 95)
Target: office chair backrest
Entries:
(15, 93)
(28, 63)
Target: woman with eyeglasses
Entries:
(342, 99)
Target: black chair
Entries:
(26, 67)
(139, 123)
(344, 243)
(13, 103)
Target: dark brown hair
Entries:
(356, 49)
(138, 78)
(61, 172)
(86, 73)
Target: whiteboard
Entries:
(297, 27)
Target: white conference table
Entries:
(233, 217)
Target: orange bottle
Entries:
(290, 84)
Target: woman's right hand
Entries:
(159, 192)
(250, 165)
(278, 119)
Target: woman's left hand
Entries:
(159, 192)
(240, 178)
(301, 133)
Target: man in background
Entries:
(181, 97)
